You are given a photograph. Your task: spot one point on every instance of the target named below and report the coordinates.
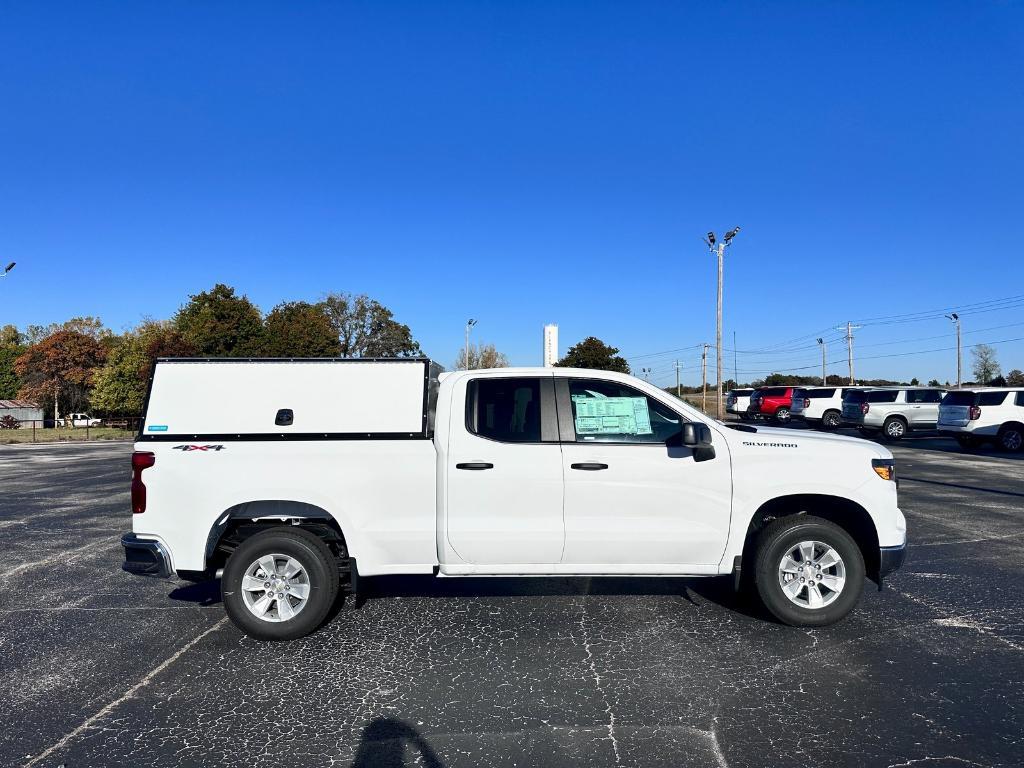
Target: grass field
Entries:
(64, 435)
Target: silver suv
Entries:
(892, 411)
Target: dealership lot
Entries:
(100, 668)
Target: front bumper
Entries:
(145, 557)
(890, 559)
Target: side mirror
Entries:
(698, 437)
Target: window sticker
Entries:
(612, 416)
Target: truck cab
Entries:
(292, 480)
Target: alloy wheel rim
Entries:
(1012, 440)
(812, 575)
(275, 588)
(896, 429)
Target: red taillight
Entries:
(807, 402)
(864, 408)
(140, 460)
(975, 413)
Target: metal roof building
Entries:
(22, 410)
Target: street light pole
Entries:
(719, 251)
(678, 366)
(824, 377)
(647, 373)
(956, 319)
(469, 324)
(7, 269)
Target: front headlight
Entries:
(884, 468)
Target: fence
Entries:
(44, 431)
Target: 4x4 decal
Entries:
(198, 448)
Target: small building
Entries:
(22, 410)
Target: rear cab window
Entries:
(959, 398)
(506, 410)
(991, 398)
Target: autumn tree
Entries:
(217, 323)
(594, 354)
(87, 326)
(481, 356)
(366, 328)
(299, 329)
(60, 369)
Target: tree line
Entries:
(80, 364)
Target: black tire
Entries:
(782, 416)
(321, 569)
(1011, 438)
(894, 428)
(830, 420)
(776, 540)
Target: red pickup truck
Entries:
(772, 403)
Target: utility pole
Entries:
(824, 376)
(678, 390)
(850, 328)
(719, 250)
(469, 324)
(959, 359)
(704, 379)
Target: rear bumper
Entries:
(890, 559)
(145, 557)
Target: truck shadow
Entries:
(203, 593)
(717, 590)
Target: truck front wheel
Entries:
(280, 584)
(809, 571)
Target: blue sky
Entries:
(525, 163)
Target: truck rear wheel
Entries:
(280, 584)
(809, 571)
(830, 420)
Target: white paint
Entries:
(550, 345)
(130, 693)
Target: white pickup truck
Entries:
(292, 479)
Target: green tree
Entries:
(594, 354)
(366, 328)
(60, 369)
(934, 383)
(984, 365)
(299, 329)
(481, 356)
(120, 385)
(10, 382)
(1015, 378)
(10, 337)
(217, 323)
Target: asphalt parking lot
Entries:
(101, 668)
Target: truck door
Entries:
(633, 493)
(504, 472)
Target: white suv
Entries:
(820, 407)
(737, 402)
(976, 416)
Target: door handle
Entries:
(475, 465)
(589, 466)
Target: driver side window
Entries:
(608, 412)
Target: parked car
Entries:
(976, 416)
(820, 407)
(772, 403)
(81, 420)
(892, 411)
(292, 480)
(738, 401)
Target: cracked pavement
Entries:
(101, 668)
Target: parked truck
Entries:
(294, 479)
